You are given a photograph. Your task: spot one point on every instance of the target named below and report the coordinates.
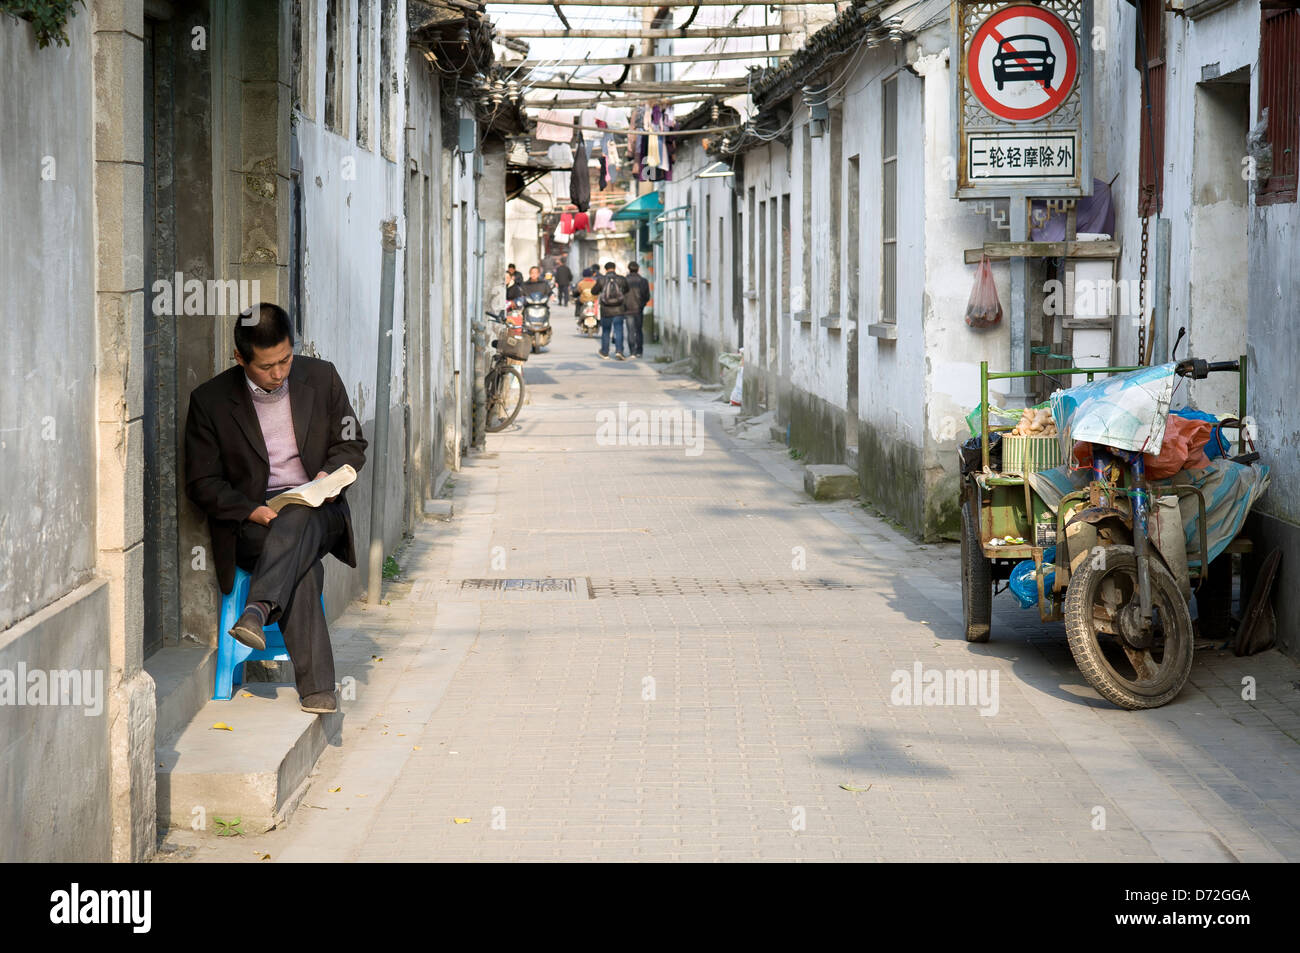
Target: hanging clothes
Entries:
(566, 223)
(604, 218)
(560, 155)
(615, 117)
(559, 235)
(580, 178)
(635, 140)
(554, 126)
(581, 222)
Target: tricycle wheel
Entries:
(1101, 622)
(976, 579)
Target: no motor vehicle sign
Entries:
(1022, 63)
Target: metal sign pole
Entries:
(1018, 211)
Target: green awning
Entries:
(642, 207)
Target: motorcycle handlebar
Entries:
(1198, 369)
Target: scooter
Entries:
(537, 319)
(588, 319)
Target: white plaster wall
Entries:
(343, 258)
(817, 355)
(348, 192)
(1209, 231)
(953, 350)
(890, 382)
(767, 170)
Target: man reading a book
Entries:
(274, 422)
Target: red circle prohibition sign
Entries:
(1017, 49)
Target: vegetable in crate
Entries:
(1035, 422)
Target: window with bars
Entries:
(1279, 93)
(889, 201)
(1150, 43)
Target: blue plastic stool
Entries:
(231, 655)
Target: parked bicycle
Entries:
(503, 383)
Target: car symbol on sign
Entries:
(1024, 58)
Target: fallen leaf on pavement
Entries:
(849, 787)
(222, 726)
(462, 820)
(336, 790)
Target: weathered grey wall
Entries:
(47, 339)
(1274, 353)
(55, 801)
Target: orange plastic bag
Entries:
(983, 310)
(1182, 449)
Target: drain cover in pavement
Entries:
(695, 586)
(483, 590)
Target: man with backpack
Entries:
(611, 291)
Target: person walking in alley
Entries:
(253, 431)
(563, 279)
(638, 297)
(611, 291)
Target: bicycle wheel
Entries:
(505, 397)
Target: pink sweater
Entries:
(276, 417)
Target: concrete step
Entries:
(851, 457)
(830, 481)
(182, 676)
(439, 509)
(256, 773)
(777, 433)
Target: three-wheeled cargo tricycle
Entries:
(1122, 590)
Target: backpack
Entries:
(612, 291)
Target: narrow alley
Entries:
(724, 689)
(649, 431)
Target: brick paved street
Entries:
(733, 671)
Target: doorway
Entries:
(162, 617)
(1217, 265)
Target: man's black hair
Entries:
(633, 266)
(610, 266)
(509, 266)
(272, 327)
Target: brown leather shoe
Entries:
(248, 630)
(320, 703)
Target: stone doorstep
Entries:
(257, 772)
(439, 509)
(182, 676)
(830, 481)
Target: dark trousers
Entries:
(612, 322)
(284, 560)
(635, 337)
(563, 292)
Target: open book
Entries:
(317, 491)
